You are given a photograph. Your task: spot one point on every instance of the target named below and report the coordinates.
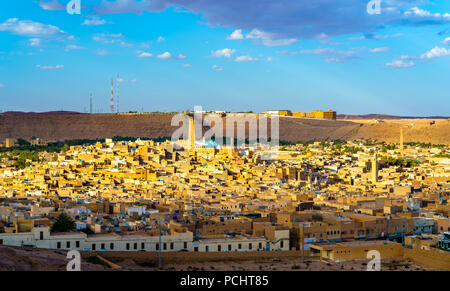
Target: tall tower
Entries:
(90, 103)
(401, 138)
(117, 106)
(112, 95)
(191, 133)
(374, 168)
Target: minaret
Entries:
(112, 95)
(191, 133)
(401, 138)
(374, 168)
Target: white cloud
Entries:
(30, 28)
(94, 22)
(124, 6)
(224, 53)
(108, 38)
(51, 5)
(160, 39)
(71, 47)
(379, 50)
(285, 19)
(101, 52)
(400, 63)
(269, 39)
(417, 12)
(2, 85)
(57, 67)
(164, 56)
(375, 37)
(436, 52)
(446, 41)
(245, 59)
(237, 34)
(121, 80)
(144, 54)
(34, 41)
(217, 68)
(406, 61)
(331, 55)
(125, 44)
(167, 55)
(187, 65)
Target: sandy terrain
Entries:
(23, 259)
(16, 259)
(59, 127)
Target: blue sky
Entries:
(227, 55)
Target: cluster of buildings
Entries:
(148, 196)
(329, 114)
(11, 142)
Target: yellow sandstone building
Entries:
(330, 114)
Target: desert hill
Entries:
(66, 126)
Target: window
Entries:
(164, 246)
(103, 246)
(157, 247)
(260, 246)
(77, 244)
(58, 245)
(135, 246)
(1, 241)
(219, 248)
(142, 245)
(250, 246)
(68, 244)
(93, 247)
(239, 246)
(229, 247)
(128, 246)
(111, 246)
(196, 249)
(41, 235)
(171, 245)
(207, 249)
(282, 244)
(185, 245)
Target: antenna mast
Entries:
(112, 95)
(117, 106)
(90, 103)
